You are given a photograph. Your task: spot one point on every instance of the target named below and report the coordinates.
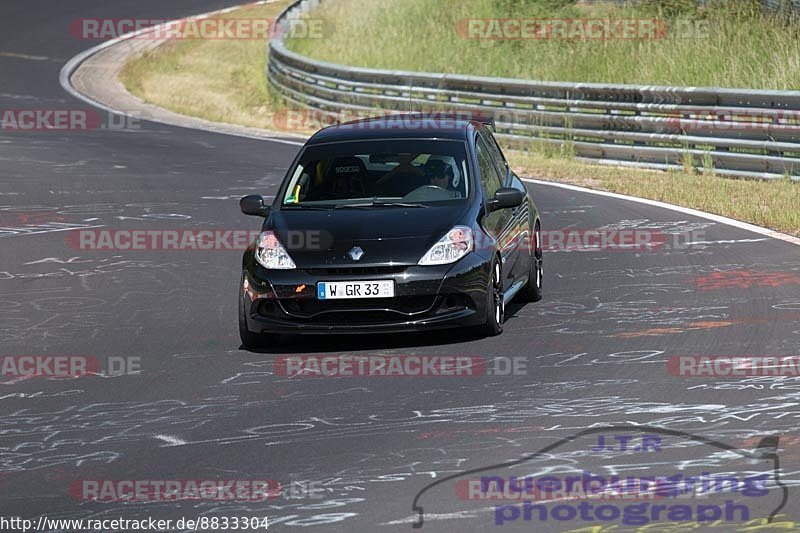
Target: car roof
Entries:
(399, 126)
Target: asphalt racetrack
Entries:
(595, 349)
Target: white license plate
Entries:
(332, 290)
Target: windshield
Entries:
(379, 173)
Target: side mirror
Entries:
(505, 198)
(253, 204)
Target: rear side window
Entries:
(497, 154)
(490, 177)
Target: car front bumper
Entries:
(426, 298)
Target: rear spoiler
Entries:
(486, 120)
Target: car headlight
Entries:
(271, 254)
(453, 246)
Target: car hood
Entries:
(386, 235)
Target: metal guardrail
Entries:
(782, 5)
(738, 132)
(771, 5)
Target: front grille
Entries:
(371, 317)
(356, 271)
(397, 306)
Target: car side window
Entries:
(490, 177)
(497, 154)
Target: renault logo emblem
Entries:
(355, 253)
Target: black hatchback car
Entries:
(398, 223)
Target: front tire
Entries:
(532, 291)
(495, 305)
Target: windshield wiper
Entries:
(400, 204)
(379, 204)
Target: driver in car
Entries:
(440, 174)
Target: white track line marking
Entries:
(672, 207)
(169, 439)
(70, 66)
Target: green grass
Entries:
(220, 80)
(739, 46)
(774, 204)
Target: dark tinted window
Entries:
(490, 177)
(497, 154)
